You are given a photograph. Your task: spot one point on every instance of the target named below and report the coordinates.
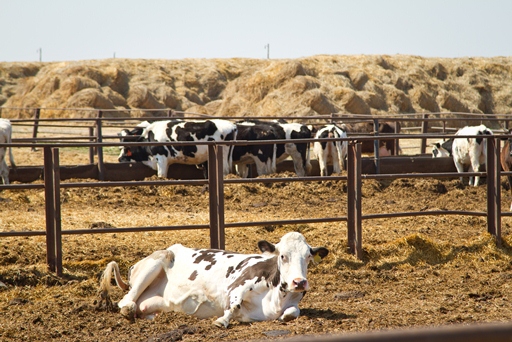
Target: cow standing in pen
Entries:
(215, 283)
(5, 138)
(330, 153)
(266, 157)
(159, 158)
(466, 152)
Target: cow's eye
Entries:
(283, 258)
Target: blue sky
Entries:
(68, 30)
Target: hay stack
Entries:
(314, 85)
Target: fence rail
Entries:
(356, 172)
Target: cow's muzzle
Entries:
(300, 284)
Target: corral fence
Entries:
(358, 168)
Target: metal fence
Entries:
(355, 173)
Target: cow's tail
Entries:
(106, 277)
(105, 286)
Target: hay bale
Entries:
(213, 107)
(90, 98)
(376, 101)
(117, 80)
(354, 104)
(140, 97)
(74, 84)
(439, 71)
(213, 83)
(358, 78)
(319, 102)
(168, 96)
(451, 103)
(424, 100)
(398, 99)
(117, 99)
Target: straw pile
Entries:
(247, 87)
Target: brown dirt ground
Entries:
(416, 271)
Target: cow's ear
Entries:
(266, 246)
(319, 253)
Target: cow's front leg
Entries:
(290, 314)
(224, 320)
(235, 303)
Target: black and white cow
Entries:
(266, 157)
(160, 157)
(215, 283)
(471, 152)
(5, 138)
(333, 153)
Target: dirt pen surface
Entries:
(416, 271)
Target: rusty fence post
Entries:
(376, 144)
(99, 150)
(91, 149)
(214, 201)
(354, 209)
(493, 169)
(424, 130)
(52, 209)
(49, 208)
(37, 114)
(220, 196)
(57, 226)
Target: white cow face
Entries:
(439, 151)
(293, 256)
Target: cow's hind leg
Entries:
(143, 274)
(4, 172)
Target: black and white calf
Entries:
(5, 138)
(470, 152)
(215, 283)
(266, 157)
(159, 158)
(330, 153)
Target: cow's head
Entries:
(293, 256)
(442, 149)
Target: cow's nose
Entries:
(300, 284)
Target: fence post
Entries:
(424, 130)
(99, 151)
(493, 169)
(37, 114)
(354, 216)
(376, 144)
(49, 209)
(91, 149)
(57, 215)
(213, 190)
(220, 196)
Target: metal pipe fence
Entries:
(52, 182)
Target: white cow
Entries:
(330, 153)
(470, 152)
(5, 138)
(215, 283)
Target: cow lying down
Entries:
(215, 283)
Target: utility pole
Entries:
(40, 51)
(268, 50)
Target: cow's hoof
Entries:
(220, 323)
(128, 312)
